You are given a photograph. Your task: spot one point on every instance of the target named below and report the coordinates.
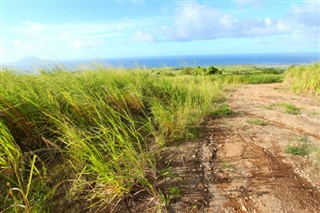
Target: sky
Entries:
(82, 29)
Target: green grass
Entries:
(302, 146)
(99, 124)
(257, 121)
(227, 166)
(253, 78)
(90, 137)
(297, 150)
(285, 107)
(221, 110)
(304, 78)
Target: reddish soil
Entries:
(239, 166)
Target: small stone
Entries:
(243, 208)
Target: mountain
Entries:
(29, 63)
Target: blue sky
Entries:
(64, 30)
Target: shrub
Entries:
(206, 71)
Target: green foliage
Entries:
(304, 78)
(202, 71)
(212, 71)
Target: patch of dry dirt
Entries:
(238, 166)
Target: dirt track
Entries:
(238, 166)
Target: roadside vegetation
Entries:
(304, 79)
(302, 146)
(285, 107)
(91, 138)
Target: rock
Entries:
(243, 208)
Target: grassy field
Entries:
(89, 139)
(91, 135)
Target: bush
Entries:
(212, 70)
(206, 71)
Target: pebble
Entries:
(243, 208)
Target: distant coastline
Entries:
(181, 61)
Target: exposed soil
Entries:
(239, 166)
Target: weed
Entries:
(222, 110)
(297, 150)
(302, 139)
(286, 107)
(174, 192)
(167, 172)
(257, 122)
(227, 166)
(304, 147)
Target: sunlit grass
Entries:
(101, 123)
(90, 136)
(304, 78)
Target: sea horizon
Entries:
(178, 61)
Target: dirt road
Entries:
(240, 163)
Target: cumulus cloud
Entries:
(194, 21)
(142, 36)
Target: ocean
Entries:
(180, 61)
(207, 60)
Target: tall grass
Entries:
(304, 78)
(90, 135)
(253, 78)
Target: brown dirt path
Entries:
(238, 166)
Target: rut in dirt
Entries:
(238, 167)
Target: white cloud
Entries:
(268, 21)
(194, 21)
(142, 36)
(35, 38)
